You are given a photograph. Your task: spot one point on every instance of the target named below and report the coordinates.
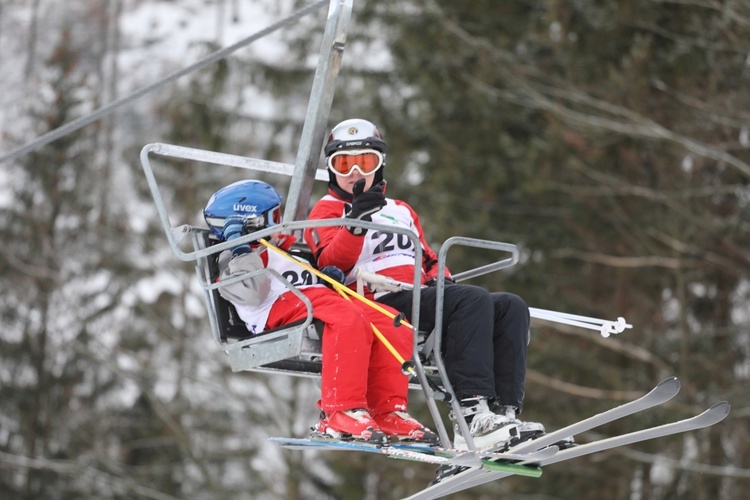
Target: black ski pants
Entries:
(485, 339)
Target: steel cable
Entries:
(78, 123)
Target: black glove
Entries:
(365, 203)
(234, 227)
(334, 273)
(434, 281)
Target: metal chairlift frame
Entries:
(295, 349)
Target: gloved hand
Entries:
(334, 273)
(234, 227)
(365, 203)
(434, 281)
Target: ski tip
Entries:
(283, 440)
(668, 388)
(718, 411)
(293, 443)
(713, 415)
(670, 382)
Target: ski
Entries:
(512, 463)
(713, 415)
(661, 393)
(324, 444)
(525, 466)
(465, 458)
(709, 417)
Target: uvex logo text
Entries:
(239, 207)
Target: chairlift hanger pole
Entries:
(318, 110)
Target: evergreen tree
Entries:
(609, 140)
(58, 299)
(601, 139)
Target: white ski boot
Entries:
(489, 431)
(526, 430)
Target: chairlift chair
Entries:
(296, 349)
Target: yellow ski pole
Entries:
(407, 367)
(337, 286)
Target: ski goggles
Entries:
(343, 163)
(252, 221)
(266, 219)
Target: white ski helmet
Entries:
(355, 133)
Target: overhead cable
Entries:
(81, 122)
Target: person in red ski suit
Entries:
(363, 392)
(485, 334)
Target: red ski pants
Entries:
(358, 370)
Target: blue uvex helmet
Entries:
(256, 201)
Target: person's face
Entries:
(347, 183)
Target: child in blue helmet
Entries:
(363, 392)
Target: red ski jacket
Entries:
(380, 252)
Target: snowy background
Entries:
(110, 384)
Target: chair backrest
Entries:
(231, 326)
(232, 329)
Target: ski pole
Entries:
(397, 319)
(385, 283)
(407, 367)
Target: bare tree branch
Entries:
(726, 8)
(617, 261)
(577, 390)
(615, 345)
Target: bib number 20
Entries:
(391, 241)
